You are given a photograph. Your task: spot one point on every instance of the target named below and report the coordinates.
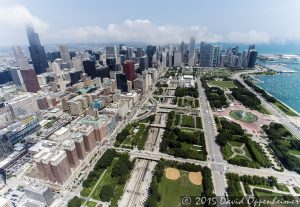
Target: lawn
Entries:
(91, 204)
(283, 187)
(198, 122)
(179, 102)
(172, 190)
(270, 196)
(225, 85)
(187, 129)
(263, 110)
(177, 119)
(193, 153)
(285, 109)
(187, 121)
(188, 102)
(297, 189)
(216, 72)
(106, 179)
(138, 139)
(235, 144)
(295, 152)
(226, 150)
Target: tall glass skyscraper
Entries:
(37, 51)
(191, 61)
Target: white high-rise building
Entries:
(177, 58)
(164, 59)
(170, 55)
(21, 60)
(56, 68)
(191, 61)
(77, 63)
(65, 55)
(111, 52)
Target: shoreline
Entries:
(277, 99)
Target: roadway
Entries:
(277, 113)
(214, 158)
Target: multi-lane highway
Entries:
(215, 158)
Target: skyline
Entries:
(150, 22)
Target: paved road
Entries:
(215, 158)
(283, 119)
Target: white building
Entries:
(5, 202)
(65, 55)
(177, 58)
(191, 61)
(23, 105)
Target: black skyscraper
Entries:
(150, 52)
(89, 68)
(37, 51)
(122, 82)
(252, 58)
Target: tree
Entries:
(106, 193)
(74, 202)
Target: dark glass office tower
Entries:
(252, 58)
(89, 68)
(37, 51)
(150, 52)
(122, 82)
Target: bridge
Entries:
(156, 156)
(158, 125)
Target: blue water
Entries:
(285, 87)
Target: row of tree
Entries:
(264, 94)
(120, 172)
(105, 161)
(234, 189)
(182, 91)
(246, 97)
(282, 142)
(174, 141)
(215, 95)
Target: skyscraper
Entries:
(111, 52)
(215, 56)
(206, 53)
(252, 58)
(89, 68)
(37, 51)
(122, 82)
(30, 80)
(191, 61)
(182, 49)
(65, 55)
(177, 58)
(151, 49)
(143, 64)
(128, 68)
(22, 62)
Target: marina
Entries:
(285, 85)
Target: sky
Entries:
(151, 21)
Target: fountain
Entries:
(243, 116)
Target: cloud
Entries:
(139, 30)
(13, 20)
(14, 17)
(248, 37)
(17, 15)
